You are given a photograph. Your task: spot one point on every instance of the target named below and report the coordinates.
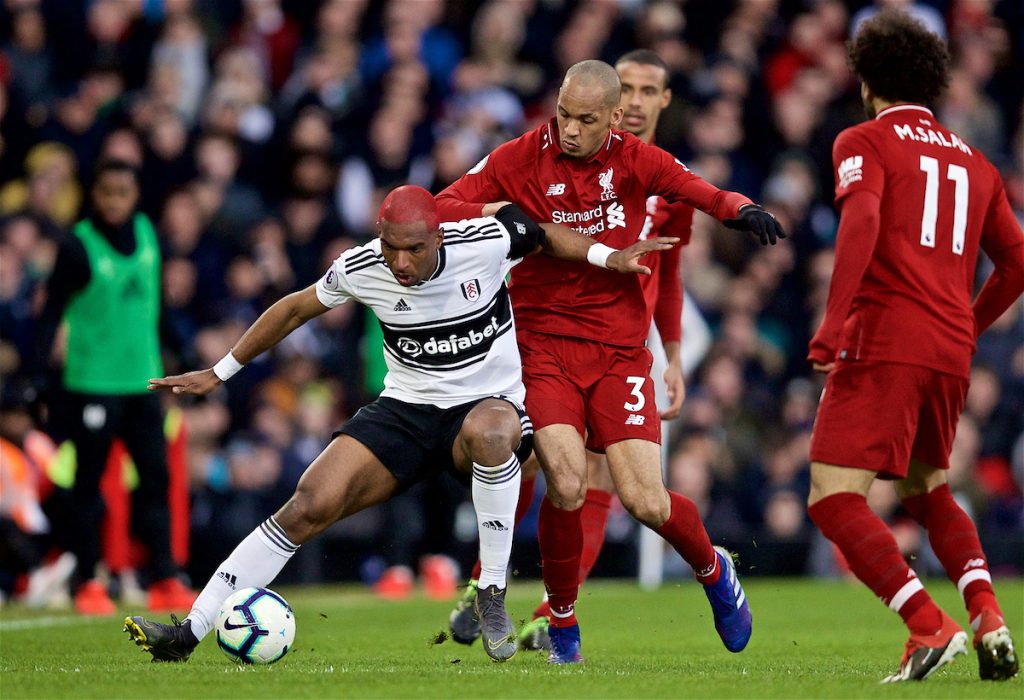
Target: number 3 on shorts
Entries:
(637, 384)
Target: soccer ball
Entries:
(255, 626)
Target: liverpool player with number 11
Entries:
(917, 202)
(582, 333)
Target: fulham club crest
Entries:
(471, 289)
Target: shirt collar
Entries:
(602, 155)
(900, 108)
(441, 257)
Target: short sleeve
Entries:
(334, 289)
(857, 165)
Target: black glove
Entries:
(755, 219)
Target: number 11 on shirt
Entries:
(958, 174)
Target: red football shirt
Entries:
(924, 201)
(605, 197)
(663, 289)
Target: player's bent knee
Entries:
(491, 439)
(829, 479)
(566, 491)
(492, 445)
(649, 509)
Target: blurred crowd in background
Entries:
(268, 131)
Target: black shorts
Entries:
(414, 441)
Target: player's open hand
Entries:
(627, 260)
(200, 383)
(759, 222)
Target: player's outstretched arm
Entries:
(270, 328)
(559, 241)
(562, 242)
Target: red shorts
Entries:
(603, 391)
(880, 415)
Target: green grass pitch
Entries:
(811, 639)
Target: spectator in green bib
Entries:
(105, 292)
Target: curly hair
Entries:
(898, 59)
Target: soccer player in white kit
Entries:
(452, 399)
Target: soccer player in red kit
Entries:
(645, 92)
(582, 335)
(916, 204)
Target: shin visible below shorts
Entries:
(604, 391)
(414, 441)
(880, 415)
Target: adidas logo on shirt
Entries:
(402, 306)
(495, 525)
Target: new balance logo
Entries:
(229, 579)
(974, 564)
(402, 306)
(494, 525)
(616, 215)
(634, 419)
(556, 190)
(851, 170)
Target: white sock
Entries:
(495, 497)
(256, 561)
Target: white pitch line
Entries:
(38, 622)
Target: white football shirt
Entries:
(450, 339)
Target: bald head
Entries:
(588, 107)
(594, 74)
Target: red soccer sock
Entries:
(954, 539)
(525, 497)
(522, 508)
(560, 536)
(874, 557)
(593, 519)
(685, 532)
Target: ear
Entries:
(666, 97)
(440, 237)
(617, 116)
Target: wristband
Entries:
(598, 254)
(227, 367)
